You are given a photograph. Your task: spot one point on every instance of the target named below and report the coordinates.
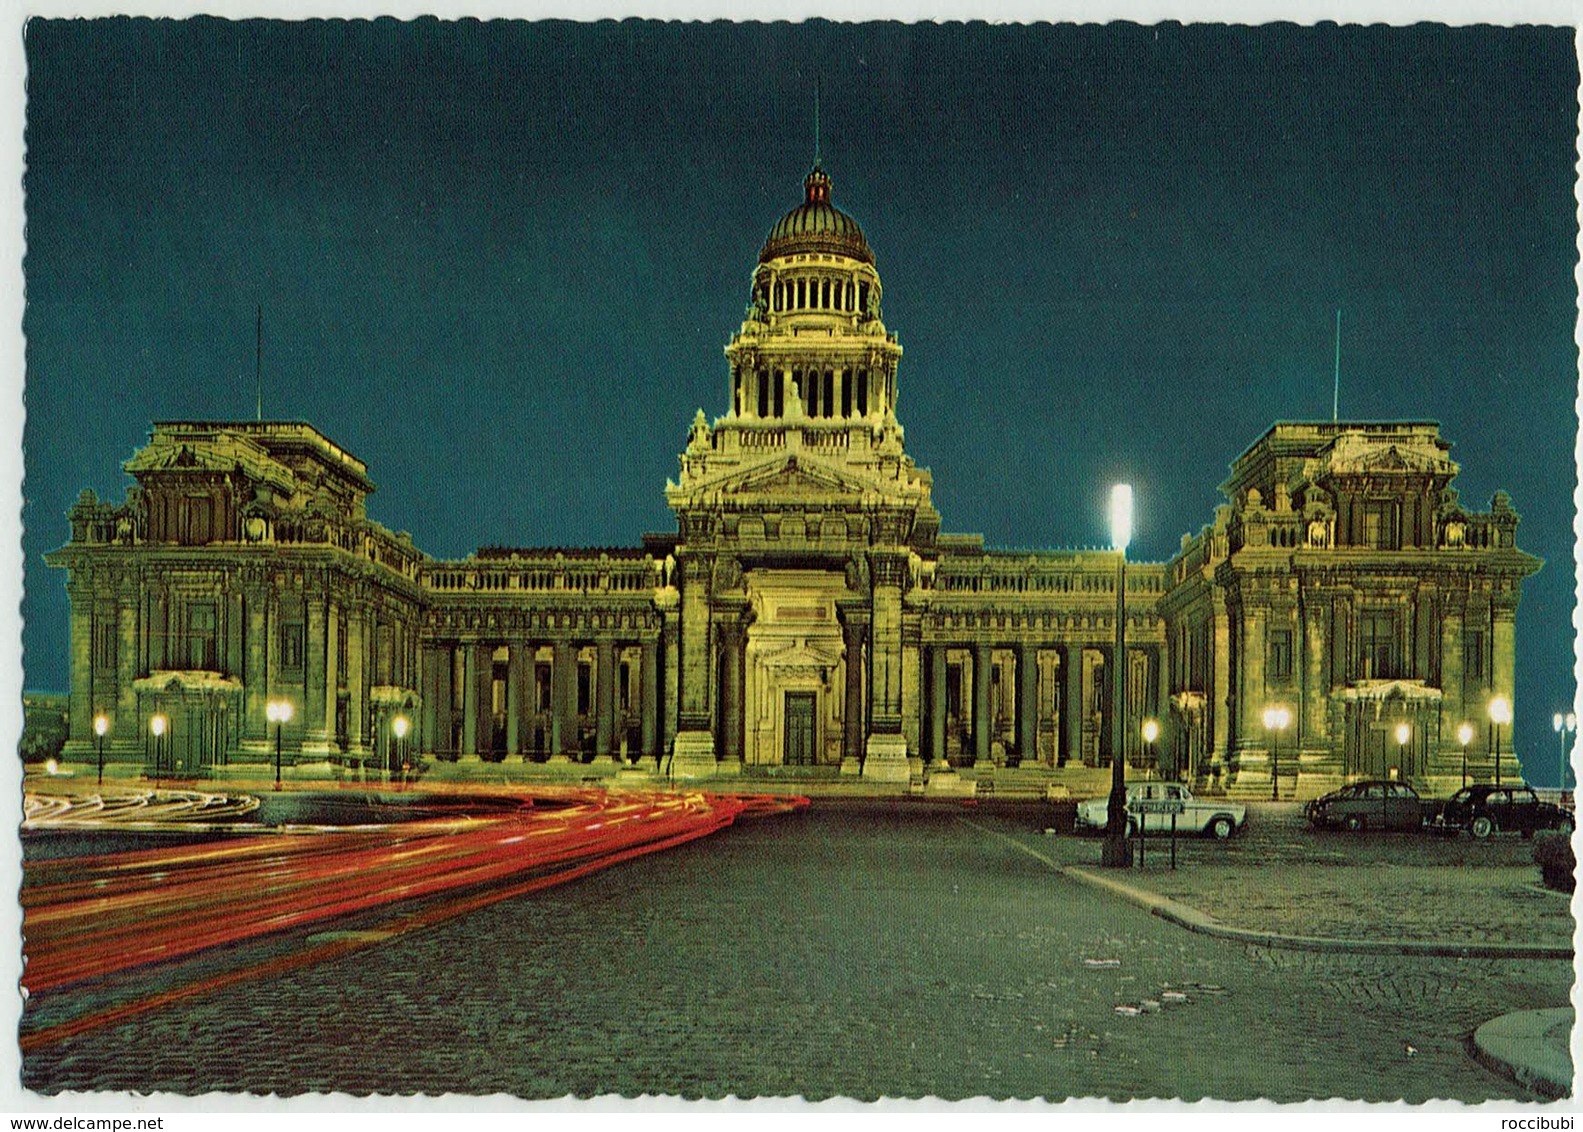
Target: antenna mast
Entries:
(258, 361)
(1335, 393)
(816, 121)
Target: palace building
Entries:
(808, 609)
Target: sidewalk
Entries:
(1533, 1046)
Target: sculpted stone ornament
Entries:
(728, 576)
(857, 575)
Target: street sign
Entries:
(1156, 805)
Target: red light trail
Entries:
(87, 917)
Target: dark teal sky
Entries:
(498, 261)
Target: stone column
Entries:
(650, 705)
(912, 690)
(1071, 740)
(563, 703)
(82, 742)
(255, 678)
(332, 673)
(484, 689)
(315, 738)
(429, 683)
(356, 679)
(604, 697)
(733, 640)
(885, 753)
(469, 698)
(516, 688)
(937, 696)
(670, 679)
(1316, 688)
(854, 634)
(983, 724)
(1504, 671)
(231, 663)
(1452, 709)
(1028, 703)
(694, 748)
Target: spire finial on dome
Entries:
(816, 121)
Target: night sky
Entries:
(498, 261)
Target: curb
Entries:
(1520, 1046)
(1193, 920)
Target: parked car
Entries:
(1371, 804)
(1153, 801)
(1486, 809)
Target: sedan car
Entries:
(1486, 809)
(1150, 806)
(1373, 804)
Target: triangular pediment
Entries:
(792, 478)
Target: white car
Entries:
(1153, 803)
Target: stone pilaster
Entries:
(357, 680)
(516, 694)
(733, 643)
(694, 747)
(469, 699)
(885, 755)
(81, 741)
(315, 737)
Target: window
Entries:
(846, 393)
(1379, 525)
(1473, 654)
(764, 393)
(1377, 641)
(340, 653)
(104, 646)
(291, 644)
(862, 392)
(1280, 655)
(199, 652)
(625, 699)
(541, 679)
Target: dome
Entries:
(816, 226)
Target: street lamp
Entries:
(1115, 852)
(1500, 713)
(1465, 736)
(1404, 732)
(1151, 732)
(101, 724)
(1565, 725)
(1276, 720)
(157, 725)
(399, 727)
(278, 713)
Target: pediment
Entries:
(794, 478)
(1356, 457)
(799, 654)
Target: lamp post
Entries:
(1115, 852)
(1404, 732)
(398, 727)
(1151, 732)
(101, 724)
(157, 725)
(279, 713)
(1465, 736)
(1565, 725)
(1500, 713)
(1276, 720)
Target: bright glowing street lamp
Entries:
(1465, 736)
(1114, 853)
(1404, 732)
(1565, 725)
(1151, 732)
(157, 725)
(1276, 720)
(1500, 714)
(101, 724)
(279, 713)
(398, 727)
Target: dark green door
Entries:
(799, 728)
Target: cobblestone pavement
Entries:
(863, 951)
(1281, 875)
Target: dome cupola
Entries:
(816, 226)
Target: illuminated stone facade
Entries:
(807, 610)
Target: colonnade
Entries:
(473, 693)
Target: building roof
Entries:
(816, 225)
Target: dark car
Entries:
(1486, 809)
(1370, 805)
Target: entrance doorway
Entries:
(799, 728)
